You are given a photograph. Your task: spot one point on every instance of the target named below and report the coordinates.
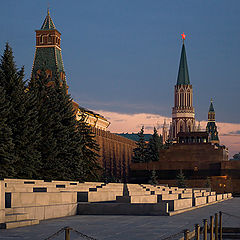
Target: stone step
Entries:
(22, 223)
(16, 217)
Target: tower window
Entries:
(49, 38)
(41, 38)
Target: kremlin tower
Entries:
(183, 116)
(48, 50)
(48, 56)
(211, 125)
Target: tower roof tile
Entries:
(183, 76)
(48, 23)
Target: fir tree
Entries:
(60, 144)
(208, 182)
(21, 117)
(153, 147)
(140, 151)
(6, 145)
(181, 180)
(236, 157)
(153, 179)
(90, 150)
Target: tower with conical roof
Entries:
(183, 116)
(211, 125)
(48, 54)
(164, 132)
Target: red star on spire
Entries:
(183, 36)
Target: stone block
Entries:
(225, 196)
(42, 198)
(137, 193)
(174, 205)
(197, 194)
(103, 196)
(2, 202)
(184, 195)
(141, 199)
(211, 198)
(219, 197)
(167, 197)
(199, 201)
(204, 194)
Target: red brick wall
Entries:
(115, 154)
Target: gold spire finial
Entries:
(211, 100)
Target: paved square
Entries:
(127, 227)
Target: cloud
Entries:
(229, 133)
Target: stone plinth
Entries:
(211, 198)
(219, 197)
(184, 195)
(162, 197)
(199, 201)
(197, 194)
(138, 199)
(174, 205)
(2, 202)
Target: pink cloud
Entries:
(123, 123)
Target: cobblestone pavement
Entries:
(127, 227)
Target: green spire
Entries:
(211, 109)
(48, 23)
(183, 77)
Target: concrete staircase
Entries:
(14, 220)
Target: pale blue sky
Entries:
(123, 55)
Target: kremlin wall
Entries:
(198, 153)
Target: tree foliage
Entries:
(181, 180)
(236, 156)
(141, 149)
(20, 117)
(40, 136)
(153, 179)
(6, 144)
(153, 147)
(90, 149)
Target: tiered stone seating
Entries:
(25, 202)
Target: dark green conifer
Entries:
(153, 178)
(181, 180)
(59, 145)
(6, 145)
(90, 150)
(153, 147)
(21, 117)
(208, 182)
(139, 155)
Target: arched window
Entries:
(49, 38)
(41, 38)
(181, 127)
(181, 98)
